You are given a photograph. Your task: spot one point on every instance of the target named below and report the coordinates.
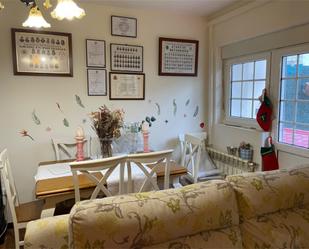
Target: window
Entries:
(294, 100)
(246, 79)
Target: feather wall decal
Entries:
(59, 107)
(158, 109)
(174, 107)
(79, 101)
(66, 122)
(35, 118)
(187, 102)
(196, 111)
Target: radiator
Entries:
(229, 164)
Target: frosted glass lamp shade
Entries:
(36, 19)
(67, 9)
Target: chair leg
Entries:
(16, 234)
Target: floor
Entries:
(9, 242)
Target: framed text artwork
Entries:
(97, 82)
(126, 58)
(124, 26)
(95, 53)
(126, 86)
(42, 53)
(178, 57)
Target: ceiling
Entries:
(193, 7)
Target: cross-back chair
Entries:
(21, 213)
(66, 145)
(193, 145)
(107, 165)
(148, 163)
(191, 154)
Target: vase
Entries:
(106, 147)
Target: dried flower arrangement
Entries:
(107, 125)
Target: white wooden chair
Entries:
(21, 213)
(151, 160)
(108, 165)
(66, 145)
(193, 145)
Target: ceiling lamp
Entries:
(67, 9)
(35, 19)
(1, 6)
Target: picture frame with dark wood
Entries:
(178, 57)
(95, 53)
(126, 86)
(126, 58)
(124, 26)
(97, 82)
(42, 53)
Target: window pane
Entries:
(288, 89)
(246, 109)
(256, 107)
(235, 108)
(258, 88)
(289, 64)
(303, 65)
(247, 89)
(302, 112)
(236, 72)
(303, 89)
(248, 71)
(301, 136)
(236, 89)
(287, 111)
(260, 70)
(286, 133)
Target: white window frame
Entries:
(238, 121)
(275, 90)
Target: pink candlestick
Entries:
(79, 148)
(145, 138)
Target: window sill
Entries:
(244, 128)
(297, 151)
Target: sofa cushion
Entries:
(267, 192)
(283, 229)
(51, 232)
(144, 219)
(218, 239)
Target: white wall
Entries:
(266, 18)
(20, 95)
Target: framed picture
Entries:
(127, 58)
(178, 57)
(97, 82)
(96, 55)
(124, 26)
(126, 86)
(42, 53)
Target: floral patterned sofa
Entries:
(253, 210)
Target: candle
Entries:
(79, 143)
(80, 132)
(145, 127)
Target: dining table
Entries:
(54, 180)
